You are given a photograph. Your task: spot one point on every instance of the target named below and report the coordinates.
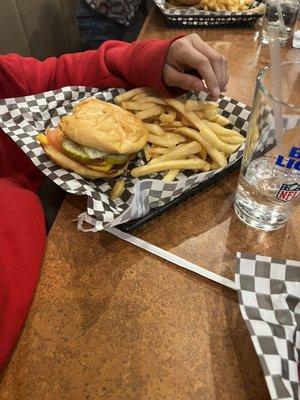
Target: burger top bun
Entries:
(104, 126)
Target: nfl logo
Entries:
(288, 192)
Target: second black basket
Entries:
(191, 17)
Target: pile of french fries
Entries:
(225, 5)
(183, 134)
(219, 5)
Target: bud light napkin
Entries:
(269, 297)
(24, 117)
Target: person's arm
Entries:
(114, 64)
(154, 63)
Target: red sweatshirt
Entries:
(22, 229)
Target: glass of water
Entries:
(280, 15)
(269, 183)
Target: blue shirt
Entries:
(121, 11)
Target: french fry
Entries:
(236, 139)
(136, 106)
(198, 105)
(214, 165)
(171, 164)
(155, 130)
(160, 150)
(153, 99)
(186, 122)
(192, 105)
(167, 118)
(179, 138)
(190, 133)
(199, 114)
(226, 135)
(130, 94)
(219, 130)
(174, 124)
(162, 141)
(203, 153)
(149, 113)
(221, 120)
(171, 175)
(207, 134)
(147, 152)
(210, 113)
(179, 152)
(214, 153)
(235, 147)
(117, 190)
(139, 96)
(172, 112)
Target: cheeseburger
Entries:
(97, 140)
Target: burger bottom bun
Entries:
(80, 169)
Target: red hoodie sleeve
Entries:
(22, 228)
(22, 243)
(114, 64)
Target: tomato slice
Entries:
(55, 137)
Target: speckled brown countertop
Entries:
(110, 321)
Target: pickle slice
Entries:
(117, 159)
(75, 151)
(86, 155)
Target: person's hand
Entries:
(193, 65)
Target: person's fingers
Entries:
(217, 61)
(225, 75)
(173, 77)
(190, 52)
(190, 57)
(226, 85)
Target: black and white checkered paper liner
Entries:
(170, 10)
(269, 298)
(22, 118)
(266, 127)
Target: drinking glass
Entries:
(272, 19)
(269, 182)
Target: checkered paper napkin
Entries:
(269, 297)
(22, 118)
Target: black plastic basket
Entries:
(192, 17)
(136, 223)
